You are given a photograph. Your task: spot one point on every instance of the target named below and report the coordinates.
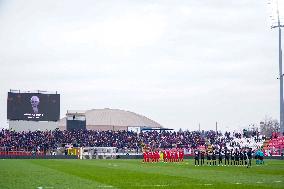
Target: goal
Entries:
(98, 153)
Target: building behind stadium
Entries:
(106, 119)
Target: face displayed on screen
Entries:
(35, 102)
(33, 106)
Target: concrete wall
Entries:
(62, 124)
(32, 125)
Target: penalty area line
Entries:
(105, 186)
(155, 185)
(207, 184)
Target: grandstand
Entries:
(48, 142)
(35, 128)
(250, 142)
(274, 146)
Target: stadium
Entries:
(98, 148)
(141, 94)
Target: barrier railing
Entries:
(20, 153)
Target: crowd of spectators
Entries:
(51, 140)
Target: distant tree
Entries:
(269, 126)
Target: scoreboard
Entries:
(33, 106)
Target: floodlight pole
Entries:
(280, 73)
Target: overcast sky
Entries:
(178, 62)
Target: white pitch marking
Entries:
(40, 187)
(157, 185)
(205, 184)
(161, 185)
(238, 183)
(105, 186)
(258, 182)
(278, 181)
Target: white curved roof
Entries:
(115, 117)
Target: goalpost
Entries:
(97, 153)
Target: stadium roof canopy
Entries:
(118, 117)
(109, 118)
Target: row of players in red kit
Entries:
(165, 156)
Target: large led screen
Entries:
(33, 106)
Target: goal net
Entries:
(98, 153)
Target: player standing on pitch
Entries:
(207, 157)
(249, 154)
(210, 153)
(214, 157)
(245, 157)
(232, 157)
(220, 157)
(227, 156)
(202, 156)
(196, 157)
(237, 157)
(241, 157)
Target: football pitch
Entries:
(81, 174)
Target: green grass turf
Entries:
(81, 174)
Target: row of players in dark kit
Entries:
(226, 157)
